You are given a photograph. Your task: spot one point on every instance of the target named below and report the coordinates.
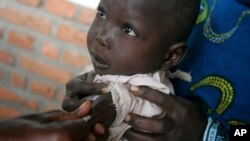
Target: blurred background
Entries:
(42, 46)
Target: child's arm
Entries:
(80, 87)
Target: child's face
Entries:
(126, 38)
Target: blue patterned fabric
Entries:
(219, 62)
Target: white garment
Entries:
(126, 102)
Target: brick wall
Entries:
(42, 46)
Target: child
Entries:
(135, 42)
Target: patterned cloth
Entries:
(219, 63)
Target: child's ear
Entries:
(176, 53)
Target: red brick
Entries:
(12, 15)
(61, 96)
(8, 112)
(75, 59)
(46, 70)
(6, 57)
(38, 23)
(49, 50)
(10, 96)
(32, 3)
(71, 34)
(42, 89)
(21, 40)
(87, 16)
(17, 80)
(50, 107)
(61, 8)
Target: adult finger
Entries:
(154, 96)
(70, 104)
(77, 130)
(74, 99)
(81, 88)
(58, 115)
(150, 124)
(40, 116)
(135, 135)
(83, 110)
(76, 92)
(101, 132)
(99, 128)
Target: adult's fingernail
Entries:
(85, 104)
(84, 108)
(127, 118)
(134, 88)
(105, 90)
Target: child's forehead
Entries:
(143, 8)
(135, 4)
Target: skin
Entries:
(127, 33)
(128, 41)
(83, 86)
(111, 41)
(53, 125)
(182, 122)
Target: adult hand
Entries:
(54, 125)
(182, 120)
(80, 87)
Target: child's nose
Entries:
(103, 37)
(101, 40)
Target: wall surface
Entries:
(42, 46)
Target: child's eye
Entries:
(101, 13)
(128, 29)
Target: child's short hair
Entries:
(182, 13)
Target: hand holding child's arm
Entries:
(80, 87)
(182, 120)
(53, 125)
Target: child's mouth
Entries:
(99, 61)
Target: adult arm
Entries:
(53, 125)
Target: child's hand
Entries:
(103, 110)
(80, 87)
(182, 121)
